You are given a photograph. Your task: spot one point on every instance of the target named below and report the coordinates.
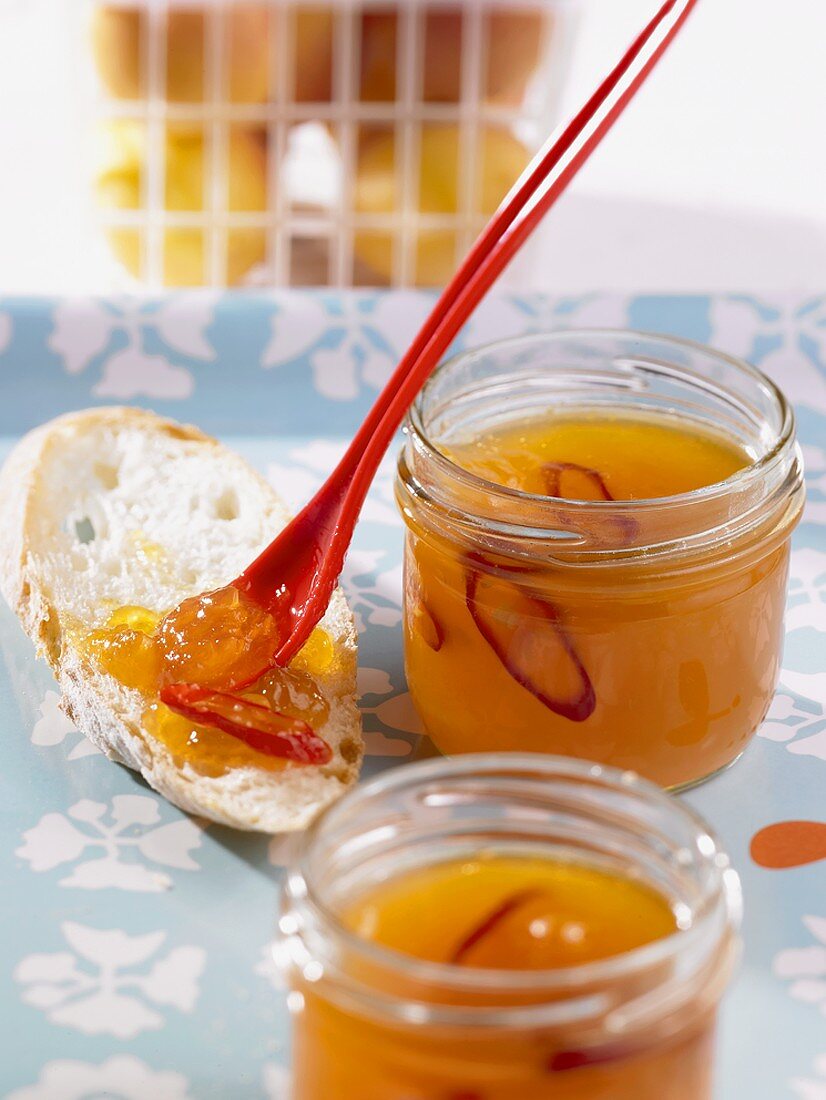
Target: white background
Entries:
(714, 179)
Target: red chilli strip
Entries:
(428, 626)
(565, 1060)
(262, 729)
(490, 923)
(592, 482)
(553, 473)
(533, 646)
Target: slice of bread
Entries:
(116, 506)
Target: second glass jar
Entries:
(658, 621)
(380, 1022)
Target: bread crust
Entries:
(109, 713)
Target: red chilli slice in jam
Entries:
(527, 635)
(428, 626)
(565, 1060)
(257, 726)
(570, 481)
(492, 922)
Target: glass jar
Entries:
(315, 142)
(667, 613)
(373, 1023)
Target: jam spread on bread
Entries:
(200, 668)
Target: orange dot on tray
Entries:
(789, 844)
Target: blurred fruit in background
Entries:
(311, 44)
(119, 36)
(500, 157)
(378, 55)
(428, 112)
(513, 43)
(515, 47)
(187, 189)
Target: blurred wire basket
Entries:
(347, 143)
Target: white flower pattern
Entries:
(375, 597)
(121, 1077)
(133, 830)
(790, 717)
(5, 331)
(355, 342)
(269, 968)
(53, 726)
(519, 316)
(93, 989)
(809, 1088)
(276, 1082)
(814, 461)
(308, 465)
(395, 712)
(805, 967)
(87, 331)
(807, 590)
(785, 338)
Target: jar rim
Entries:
(718, 908)
(739, 480)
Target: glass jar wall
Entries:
(378, 1017)
(641, 632)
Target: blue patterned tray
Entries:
(133, 942)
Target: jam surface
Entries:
(651, 667)
(511, 913)
(633, 457)
(220, 642)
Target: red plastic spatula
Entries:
(297, 573)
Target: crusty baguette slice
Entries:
(172, 513)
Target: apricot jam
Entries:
(510, 913)
(231, 715)
(600, 457)
(594, 574)
(500, 926)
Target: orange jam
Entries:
(502, 913)
(601, 648)
(219, 641)
(510, 913)
(593, 457)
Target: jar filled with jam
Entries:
(598, 529)
(503, 925)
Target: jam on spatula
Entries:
(214, 696)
